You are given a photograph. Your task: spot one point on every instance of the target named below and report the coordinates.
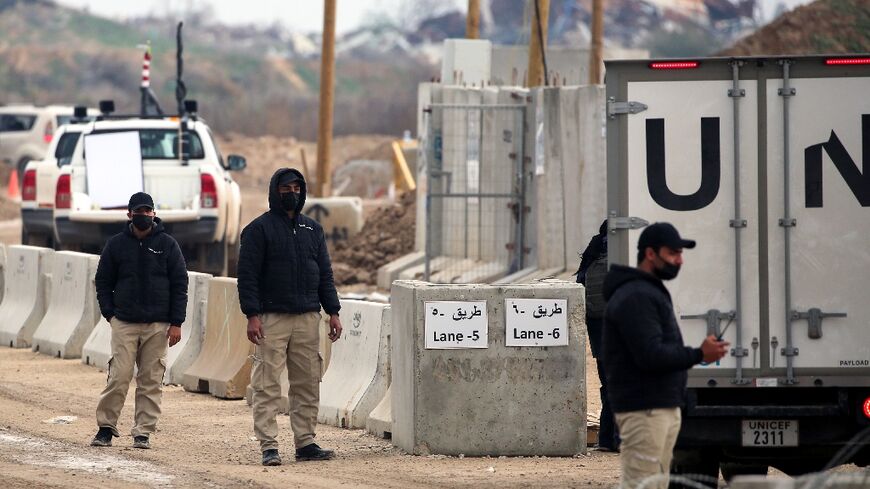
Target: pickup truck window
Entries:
(16, 122)
(162, 144)
(65, 148)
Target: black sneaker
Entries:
(141, 441)
(103, 438)
(271, 457)
(313, 452)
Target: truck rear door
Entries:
(819, 280)
(701, 144)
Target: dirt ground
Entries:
(204, 441)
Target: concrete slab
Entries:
(223, 366)
(24, 300)
(341, 217)
(496, 401)
(390, 272)
(359, 370)
(97, 350)
(73, 311)
(450, 273)
(182, 355)
(516, 277)
(483, 273)
(416, 272)
(380, 420)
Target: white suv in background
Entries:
(27, 130)
(40, 182)
(196, 198)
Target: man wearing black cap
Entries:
(141, 286)
(646, 362)
(285, 277)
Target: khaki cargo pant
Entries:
(143, 345)
(648, 439)
(292, 340)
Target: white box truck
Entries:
(766, 163)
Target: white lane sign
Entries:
(456, 325)
(536, 322)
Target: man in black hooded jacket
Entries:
(141, 284)
(285, 277)
(645, 360)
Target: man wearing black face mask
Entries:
(645, 360)
(285, 277)
(141, 286)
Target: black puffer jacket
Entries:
(142, 281)
(283, 263)
(644, 357)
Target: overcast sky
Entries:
(300, 15)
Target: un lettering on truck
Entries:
(766, 163)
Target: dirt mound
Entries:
(265, 154)
(388, 234)
(822, 27)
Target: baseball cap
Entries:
(662, 234)
(140, 199)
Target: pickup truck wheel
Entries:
(733, 469)
(33, 239)
(212, 258)
(701, 466)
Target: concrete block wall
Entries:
(495, 401)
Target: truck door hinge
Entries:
(714, 319)
(615, 108)
(615, 223)
(814, 318)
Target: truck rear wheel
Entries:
(212, 258)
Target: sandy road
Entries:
(207, 442)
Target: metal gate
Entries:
(474, 192)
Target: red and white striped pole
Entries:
(146, 67)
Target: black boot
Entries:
(313, 452)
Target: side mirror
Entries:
(236, 162)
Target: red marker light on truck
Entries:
(28, 186)
(847, 61)
(674, 65)
(63, 196)
(867, 408)
(208, 198)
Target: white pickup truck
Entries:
(39, 183)
(194, 193)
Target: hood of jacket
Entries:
(275, 197)
(620, 275)
(156, 229)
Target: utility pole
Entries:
(472, 21)
(596, 53)
(327, 86)
(537, 75)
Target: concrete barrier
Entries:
(24, 294)
(828, 480)
(182, 355)
(97, 350)
(390, 272)
(73, 311)
(325, 354)
(380, 420)
(359, 370)
(341, 217)
(223, 366)
(496, 400)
